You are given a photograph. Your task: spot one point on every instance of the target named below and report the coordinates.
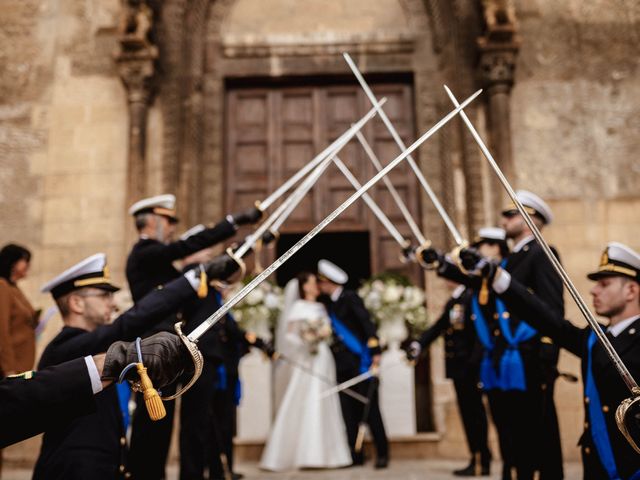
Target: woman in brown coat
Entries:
(18, 319)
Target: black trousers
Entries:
(150, 441)
(473, 415)
(353, 410)
(529, 437)
(207, 421)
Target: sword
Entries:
(309, 371)
(582, 305)
(336, 144)
(191, 340)
(377, 211)
(392, 190)
(350, 383)
(423, 181)
(321, 159)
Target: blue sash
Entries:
(599, 432)
(221, 378)
(488, 376)
(511, 368)
(351, 342)
(124, 394)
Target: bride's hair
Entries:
(302, 278)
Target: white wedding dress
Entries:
(308, 431)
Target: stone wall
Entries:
(63, 137)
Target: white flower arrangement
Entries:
(259, 311)
(389, 297)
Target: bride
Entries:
(308, 431)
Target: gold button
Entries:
(605, 408)
(123, 441)
(632, 331)
(587, 450)
(473, 316)
(495, 315)
(586, 400)
(127, 475)
(586, 425)
(496, 332)
(543, 386)
(505, 315)
(121, 468)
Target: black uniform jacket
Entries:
(49, 398)
(463, 351)
(611, 388)
(350, 310)
(530, 267)
(94, 446)
(225, 342)
(150, 261)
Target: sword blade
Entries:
(377, 211)
(392, 190)
(582, 305)
(349, 383)
(222, 311)
(341, 140)
(423, 181)
(323, 378)
(285, 209)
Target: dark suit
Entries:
(611, 388)
(350, 310)
(94, 446)
(208, 411)
(530, 267)
(49, 399)
(149, 265)
(462, 360)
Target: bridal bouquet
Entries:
(391, 298)
(259, 311)
(313, 331)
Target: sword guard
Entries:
(455, 255)
(623, 414)
(238, 260)
(198, 362)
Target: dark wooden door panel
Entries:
(272, 132)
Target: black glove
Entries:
(221, 267)
(268, 237)
(430, 258)
(249, 216)
(163, 354)
(477, 265)
(265, 345)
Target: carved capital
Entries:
(137, 71)
(497, 68)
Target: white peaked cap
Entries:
(618, 259)
(533, 201)
(492, 233)
(90, 272)
(192, 231)
(332, 272)
(160, 205)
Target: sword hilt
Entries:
(152, 399)
(198, 362)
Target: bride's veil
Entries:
(291, 294)
(282, 370)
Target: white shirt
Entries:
(336, 294)
(96, 383)
(620, 327)
(518, 246)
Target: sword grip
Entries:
(152, 400)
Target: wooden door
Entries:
(272, 132)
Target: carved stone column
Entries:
(136, 65)
(498, 54)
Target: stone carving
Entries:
(135, 23)
(498, 13)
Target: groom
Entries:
(355, 348)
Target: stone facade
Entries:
(65, 153)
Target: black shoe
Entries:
(472, 470)
(357, 459)
(237, 476)
(381, 462)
